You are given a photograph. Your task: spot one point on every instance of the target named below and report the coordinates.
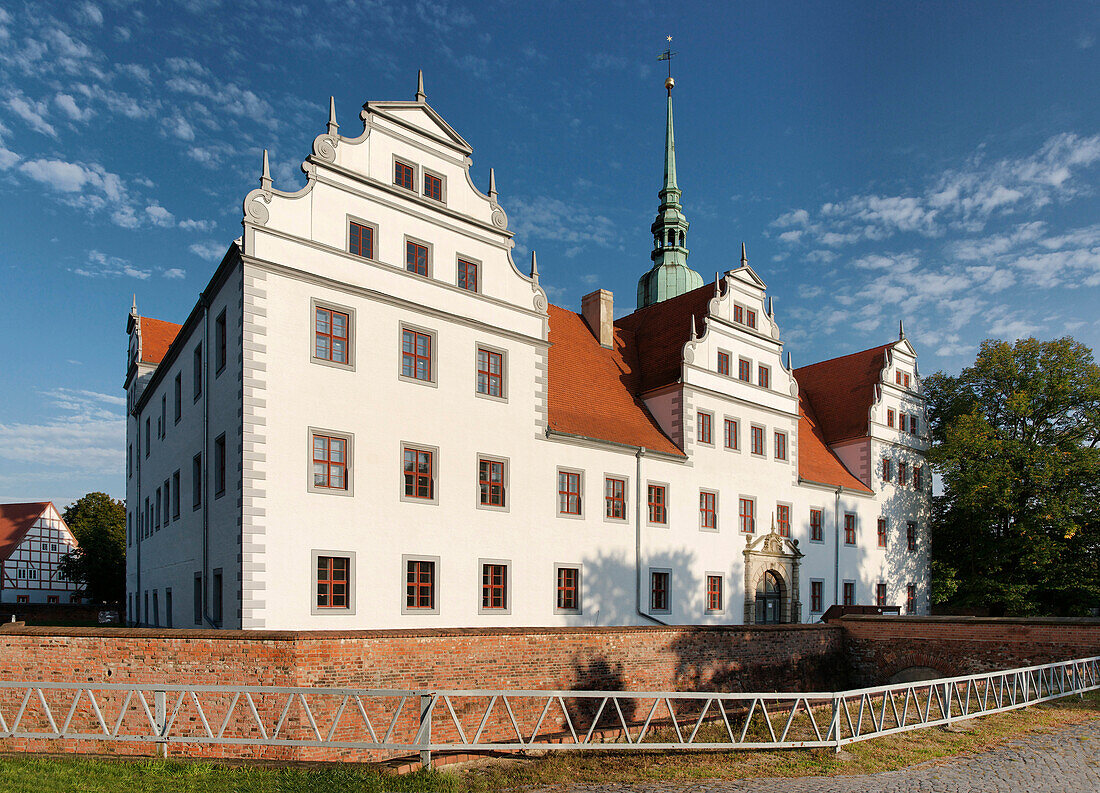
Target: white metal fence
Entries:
(426, 721)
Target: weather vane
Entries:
(668, 55)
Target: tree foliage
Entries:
(1015, 441)
(99, 524)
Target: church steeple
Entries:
(669, 276)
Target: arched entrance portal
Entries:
(771, 580)
(769, 599)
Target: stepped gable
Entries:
(816, 461)
(660, 332)
(15, 521)
(156, 337)
(841, 392)
(592, 391)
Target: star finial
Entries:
(669, 38)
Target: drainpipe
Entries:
(638, 504)
(836, 549)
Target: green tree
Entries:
(1015, 441)
(99, 524)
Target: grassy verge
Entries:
(45, 775)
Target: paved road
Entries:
(1067, 761)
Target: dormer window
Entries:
(433, 187)
(738, 314)
(403, 175)
(901, 378)
(750, 318)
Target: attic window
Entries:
(403, 175)
(433, 187)
(750, 318)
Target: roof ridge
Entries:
(849, 355)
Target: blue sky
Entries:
(936, 162)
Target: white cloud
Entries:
(70, 108)
(552, 219)
(211, 250)
(102, 265)
(197, 225)
(89, 14)
(796, 217)
(159, 215)
(1010, 323)
(71, 177)
(34, 113)
(87, 435)
(174, 272)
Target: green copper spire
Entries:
(670, 276)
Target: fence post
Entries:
(160, 707)
(947, 691)
(424, 733)
(836, 723)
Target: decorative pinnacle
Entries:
(744, 258)
(693, 334)
(534, 268)
(901, 329)
(771, 311)
(420, 96)
(332, 125)
(265, 177)
(789, 367)
(492, 184)
(133, 306)
(717, 281)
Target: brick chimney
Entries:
(596, 307)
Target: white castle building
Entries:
(373, 419)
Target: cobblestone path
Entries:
(1066, 761)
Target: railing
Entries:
(426, 721)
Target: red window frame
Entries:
(911, 535)
(714, 593)
(433, 186)
(746, 512)
(912, 424)
(708, 510)
(910, 598)
(763, 376)
(816, 524)
(403, 175)
(494, 586)
(889, 417)
(569, 493)
(744, 370)
(816, 596)
(330, 335)
(568, 589)
(732, 430)
(750, 317)
(880, 594)
(332, 582)
(467, 275)
(897, 377)
(783, 519)
(490, 372)
(918, 471)
(849, 593)
(780, 445)
(738, 314)
(419, 584)
(757, 440)
(903, 473)
(849, 529)
(657, 500)
(723, 363)
(490, 479)
(419, 474)
(658, 591)
(882, 532)
(416, 355)
(903, 422)
(416, 257)
(887, 469)
(361, 240)
(330, 462)
(703, 422)
(615, 498)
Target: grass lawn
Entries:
(45, 775)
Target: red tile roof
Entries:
(156, 337)
(592, 391)
(660, 332)
(816, 461)
(15, 520)
(842, 390)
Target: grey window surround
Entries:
(790, 515)
(417, 184)
(722, 592)
(349, 462)
(425, 170)
(503, 372)
(737, 434)
(668, 509)
(755, 514)
(710, 413)
(786, 446)
(433, 358)
(557, 492)
(496, 458)
(717, 514)
(480, 270)
(809, 530)
(507, 610)
(843, 529)
(668, 590)
(314, 304)
(764, 438)
(417, 557)
(316, 610)
(626, 498)
(423, 447)
(580, 587)
(431, 255)
(349, 219)
(855, 591)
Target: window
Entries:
(887, 469)
(918, 472)
(912, 425)
(568, 590)
(219, 343)
(658, 590)
(176, 494)
(816, 596)
(147, 522)
(490, 372)
(196, 371)
(724, 363)
(156, 609)
(657, 500)
(903, 473)
(744, 370)
(849, 593)
(911, 599)
(738, 314)
(815, 525)
(330, 461)
(53, 599)
(416, 355)
(757, 440)
(750, 318)
(129, 461)
(168, 607)
(332, 582)
(416, 257)
(780, 445)
(167, 504)
(903, 422)
(901, 378)
(494, 587)
(490, 477)
(420, 585)
(880, 594)
(433, 186)
(714, 593)
(849, 529)
(704, 421)
(162, 422)
(747, 513)
(177, 396)
(197, 594)
(911, 535)
(216, 596)
(403, 175)
(615, 498)
(419, 473)
(731, 434)
(148, 438)
(708, 510)
(763, 376)
(129, 528)
(219, 465)
(22, 599)
(569, 493)
(196, 481)
(882, 532)
(361, 239)
(889, 417)
(467, 275)
(783, 519)
(331, 335)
